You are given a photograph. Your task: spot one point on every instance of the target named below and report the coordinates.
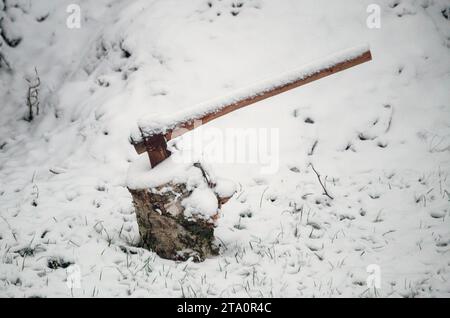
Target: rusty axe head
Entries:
(154, 141)
(155, 146)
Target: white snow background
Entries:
(380, 133)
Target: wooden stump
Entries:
(165, 228)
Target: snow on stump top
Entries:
(154, 131)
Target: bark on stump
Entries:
(164, 228)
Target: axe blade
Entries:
(156, 147)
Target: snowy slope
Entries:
(379, 132)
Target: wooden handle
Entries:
(302, 79)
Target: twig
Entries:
(9, 226)
(33, 96)
(205, 175)
(313, 147)
(262, 196)
(325, 192)
(5, 62)
(389, 124)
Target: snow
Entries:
(202, 203)
(380, 133)
(141, 176)
(224, 188)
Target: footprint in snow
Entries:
(377, 128)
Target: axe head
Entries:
(155, 146)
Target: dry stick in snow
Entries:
(262, 196)
(205, 175)
(389, 125)
(5, 62)
(10, 228)
(33, 96)
(313, 147)
(320, 181)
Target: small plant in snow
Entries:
(33, 96)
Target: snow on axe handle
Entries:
(153, 134)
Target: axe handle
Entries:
(189, 125)
(246, 101)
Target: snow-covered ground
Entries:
(378, 135)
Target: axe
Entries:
(152, 134)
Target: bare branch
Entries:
(325, 192)
(33, 96)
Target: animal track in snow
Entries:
(219, 8)
(379, 127)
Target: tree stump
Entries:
(171, 221)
